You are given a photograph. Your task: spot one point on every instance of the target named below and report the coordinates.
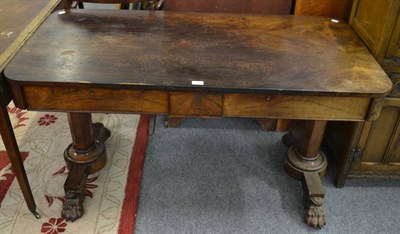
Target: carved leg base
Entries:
(313, 198)
(81, 164)
(75, 192)
(309, 170)
(296, 164)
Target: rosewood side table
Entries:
(18, 20)
(192, 64)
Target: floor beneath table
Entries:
(226, 176)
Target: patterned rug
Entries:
(111, 194)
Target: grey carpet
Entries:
(226, 176)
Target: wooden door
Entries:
(374, 21)
(380, 142)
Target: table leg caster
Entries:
(36, 214)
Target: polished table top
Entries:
(18, 20)
(219, 52)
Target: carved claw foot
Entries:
(315, 214)
(313, 198)
(75, 193)
(72, 208)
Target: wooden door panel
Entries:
(380, 140)
(394, 46)
(380, 135)
(395, 146)
(372, 20)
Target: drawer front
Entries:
(195, 104)
(296, 107)
(96, 100)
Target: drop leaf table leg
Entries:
(14, 155)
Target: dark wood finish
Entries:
(248, 65)
(15, 29)
(219, 41)
(230, 6)
(371, 149)
(295, 107)
(86, 99)
(338, 9)
(195, 104)
(282, 7)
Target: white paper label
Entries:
(197, 82)
(334, 21)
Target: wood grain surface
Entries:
(232, 6)
(339, 9)
(18, 20)
(228, 52)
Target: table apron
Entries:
(195, 103)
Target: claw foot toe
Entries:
(315, 216)
(72, 210)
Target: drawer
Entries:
(96, 100)
(296, 107)
(195, 104)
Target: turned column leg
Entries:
(307, 163)
(86, 155)
(14, 155)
